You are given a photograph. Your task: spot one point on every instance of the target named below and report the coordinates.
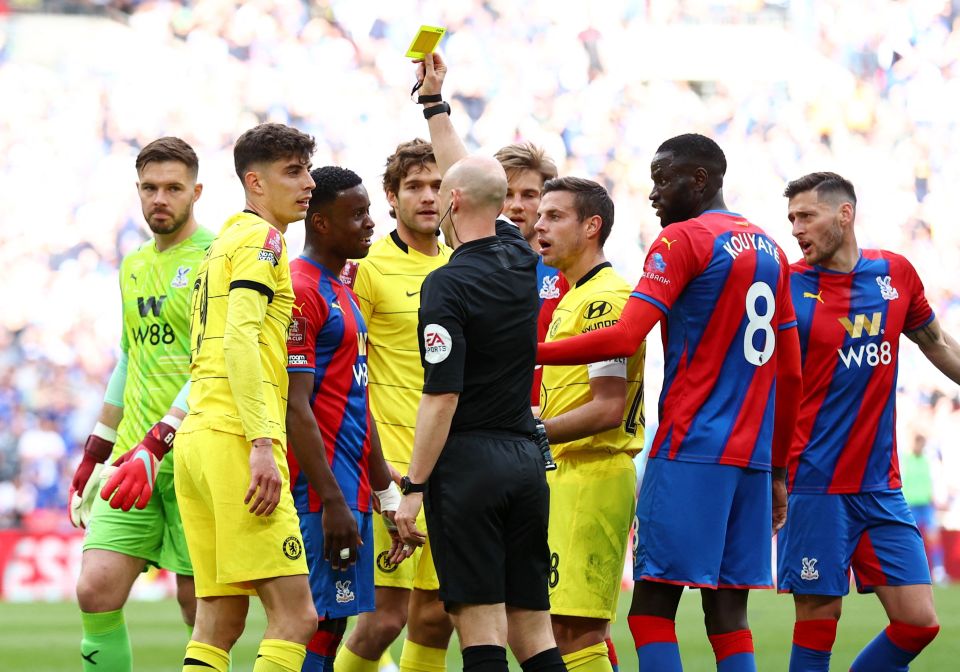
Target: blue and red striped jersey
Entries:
(724, 286)
(850, 326)
(328, 338)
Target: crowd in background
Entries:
(870, 89)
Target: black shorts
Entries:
(487, 505)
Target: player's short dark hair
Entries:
(823, 184)
(522, 156)
(169, 148)
(330, 181)
(698, 150)
(416, 153)
(589, 198)
(267, 143)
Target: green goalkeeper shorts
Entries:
(154, 534)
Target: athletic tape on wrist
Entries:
(173, 421)
(389, 498)
(106, 433)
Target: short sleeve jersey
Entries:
(155, 289)
(850, 326)
(724, 288)
(594, 302)
(328, 339)
(248, 253)
(551, 288)
(387, 283)
(478, 331)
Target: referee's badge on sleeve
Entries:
(437, 343)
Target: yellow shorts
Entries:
(229, 546)
(417, 571)
(592, 503)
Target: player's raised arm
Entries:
(939, 347)
(619, 340)
(448, 148)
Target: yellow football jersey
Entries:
(248, 253)
(593, 303)
(388, 284)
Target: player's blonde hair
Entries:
(526, 156)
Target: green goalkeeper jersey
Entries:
(156, 288)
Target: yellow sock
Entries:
(418, 658)
(348, 661)
(591, 659)
(386, 661)
(279, 655)
(202, 657)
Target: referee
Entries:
(483, 479)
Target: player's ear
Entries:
(701, 177)
(846, 213)
(252, 182)
(197, 190)
(392, 199)
(594, 224)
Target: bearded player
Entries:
(846, 506)
(155, 285)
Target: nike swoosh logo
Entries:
(413, 293)
(89, 656)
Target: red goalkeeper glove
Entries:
(132, 483)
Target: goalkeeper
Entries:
(147, 385)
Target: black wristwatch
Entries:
(407, 486)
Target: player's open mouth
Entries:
(544, 245)
(366, 242)
(518, 220)
(304, 203)
(805, 245)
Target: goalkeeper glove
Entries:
(137, 472)
(133, 481)
(96, 450)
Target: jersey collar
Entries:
(592, 272)
(398, 241)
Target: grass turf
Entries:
(45, 637)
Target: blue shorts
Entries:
(826, 535)
(339, 594)
(704, 525)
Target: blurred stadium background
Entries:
(868, 88)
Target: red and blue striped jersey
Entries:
(328, 338)
(850, 326)
(724, 286)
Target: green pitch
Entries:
(44, 637)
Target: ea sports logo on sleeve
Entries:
(437, 343)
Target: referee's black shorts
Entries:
(487, 504)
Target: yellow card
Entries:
(426, 41)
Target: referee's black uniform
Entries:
(487, 501)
